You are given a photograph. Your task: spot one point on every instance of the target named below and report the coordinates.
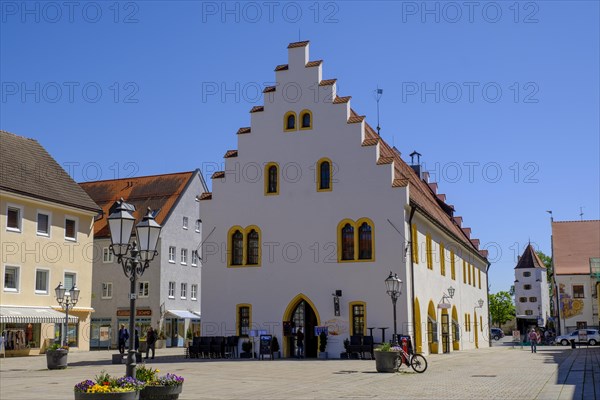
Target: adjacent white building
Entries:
(314, 209)
(168, 294)
(532, 291)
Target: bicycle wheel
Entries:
(418, 363)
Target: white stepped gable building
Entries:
(332, 208)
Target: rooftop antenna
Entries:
(581, 213)
(378, 94)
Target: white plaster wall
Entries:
(299, 226)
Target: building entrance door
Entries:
(445, 332)
(303, 316)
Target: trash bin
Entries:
(572, 343)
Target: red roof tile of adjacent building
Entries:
(159, 192)
(282, 67)
(575, 242)
(29, 170)
(269, 89)
(315, 63)
(244, 130)
(230, 154)
(218, 175)
(257, 109)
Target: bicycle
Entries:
(417, 361)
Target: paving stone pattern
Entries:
(500, 372)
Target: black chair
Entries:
(204, 346)
(355, 346)
(367, 346)
(231, 346)
(193, 350)
(217, 347)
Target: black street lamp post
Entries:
(132, 258)
(394, 289)
(66, 299)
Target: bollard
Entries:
(572, 343)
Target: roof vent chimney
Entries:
(416, 167)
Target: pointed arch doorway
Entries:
(302, 313)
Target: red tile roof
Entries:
(269, 89)
(29, 170)
(206, 196)
(159, 192)
(327, 82)
(257, 109)
(243, 130)
(313, 63)
(340, 100)
(421, 194)
(298, 44)
(575, 242)
(218, 174)
(282, 67)
(230, 154)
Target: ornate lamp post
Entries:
(132, 258)
(394, 289)
(66, 299)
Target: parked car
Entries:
(496, 333)
(593, 337)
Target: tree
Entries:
(502, 308)
(549, 273)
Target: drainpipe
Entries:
(412, 273)
(487, 284)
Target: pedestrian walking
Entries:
(123, 337)
(136, 340)
(151, 342)
(534, 338)
(300, 343)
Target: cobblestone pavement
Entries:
(500, 372)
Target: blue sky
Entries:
(501, 98)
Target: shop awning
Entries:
(182, 314)
(33, 315)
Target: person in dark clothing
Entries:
(123, 337)
(136, 340)
(151, 342)
(300, 343)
